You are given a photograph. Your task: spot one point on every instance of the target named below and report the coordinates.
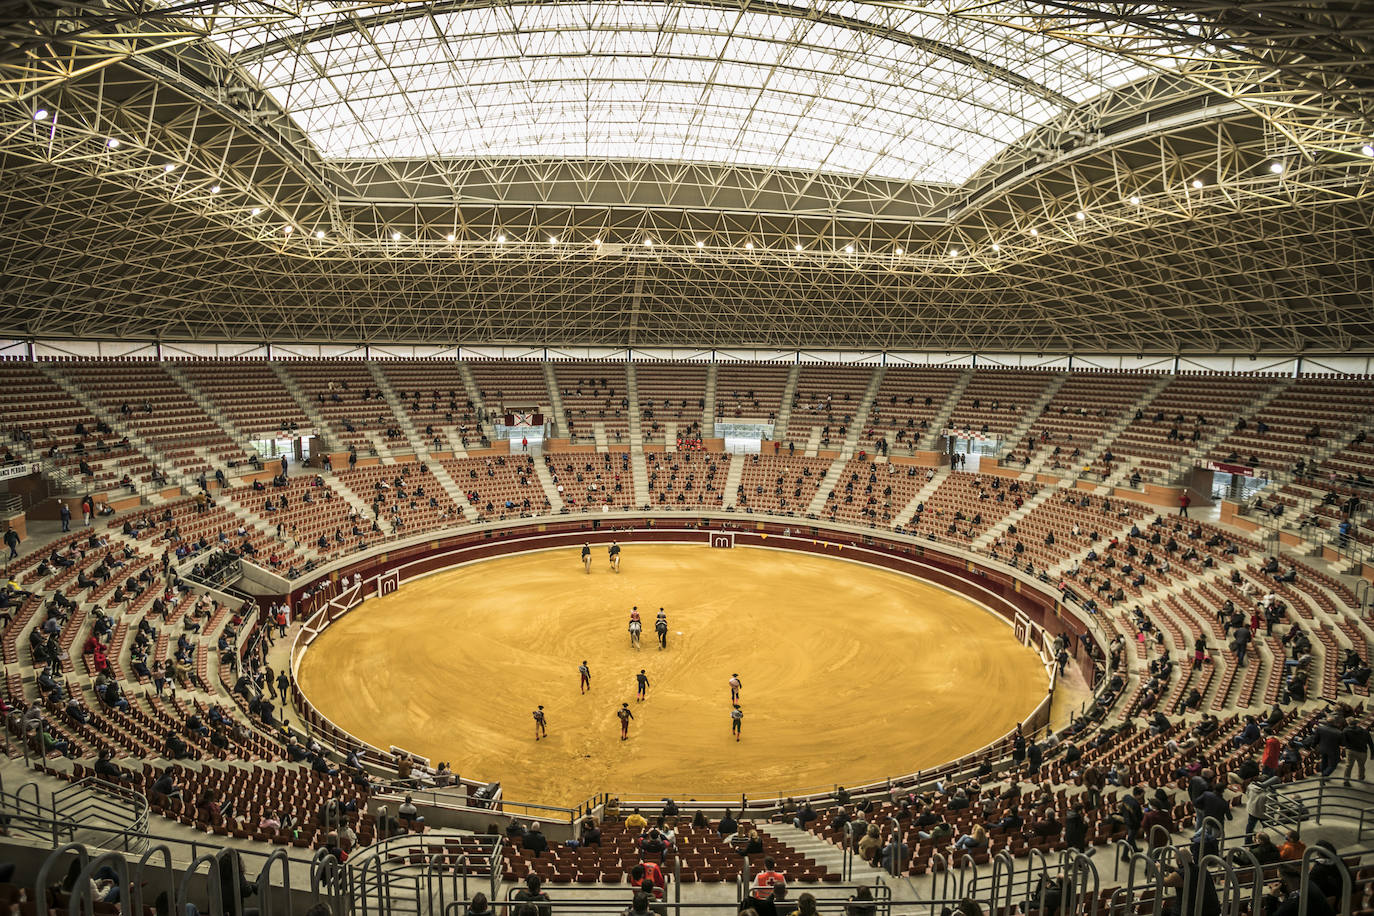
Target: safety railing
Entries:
(1323, 797)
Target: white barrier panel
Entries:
(722, 539)
(388, 582)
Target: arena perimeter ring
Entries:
(851, 672)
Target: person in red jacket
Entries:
(1273, 750)
(1183, 500)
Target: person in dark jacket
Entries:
(534, 840)
(1075, 829)
(1329, 738)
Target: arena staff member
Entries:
(765, 879)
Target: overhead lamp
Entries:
(899, 252)
(797, 247)
(1276, 168)
(500, 240)
(849, 249)
(319, 233)
(40, 114)
(1135, 199)
(954, 252)
(170, 167)
(700, 243)
(112, 143)
(255, 211)
(748, 246)
(286, 229)
(597, 242)
(1367, 149)
(395, 236)
(1197, 183)
(996, 247)
(1080, 216)
(553, 240)
(648, 243)
(1034, 231)
(214, 189)
(449, 237)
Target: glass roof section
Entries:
(878, 90)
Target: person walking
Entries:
(1357, 747)
(735, 686)
(1184, 500)
(66, 513)
(641, 685)
(625, 716)
(584, 673)
(541, 725)
(736, 718)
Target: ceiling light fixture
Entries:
(1035, 232)
(954, 252)
(748, 246)
(1080, 216)
(648, 243)
(996, 247)
(319, 233)
(500, 240)
(395, 236)
(1276, 168)
(170, 167)
(112, 143)
(849, 249)
(40, 114)
(1367, 149)
(449, 237)
(255, 211)
(597, 243)
(1135, 199)
(700, 243)
(1197, 183)
(553, 240)
(797, 247)
(286, 229)
(214, 189)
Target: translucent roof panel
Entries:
(924, 94)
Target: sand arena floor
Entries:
(850, 673)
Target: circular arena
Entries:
(981, 394)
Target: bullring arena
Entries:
(983, 395)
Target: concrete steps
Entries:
(987, 537)
(941, 418)
(856, 427)
(322, 427)
(904, 517)
(733, 475)
(827, 485)
(541, 471)
(211, 410)
(708, 412)
(789, 394)
(632, 395)
(555, 400)
(475, 396)
(1033, 413)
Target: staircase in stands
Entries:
(940, 421)
(322, 428)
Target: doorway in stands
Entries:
(296, 450)
(745, 438)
